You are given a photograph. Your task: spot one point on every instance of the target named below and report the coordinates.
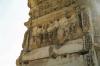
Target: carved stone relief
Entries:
(70, 25)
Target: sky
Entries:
(13, 14)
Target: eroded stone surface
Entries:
(56, 29)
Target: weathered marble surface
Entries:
(69, 60)
(55, 33)
(45, 52)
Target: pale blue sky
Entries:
(13, 14)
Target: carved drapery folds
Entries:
(72, 26)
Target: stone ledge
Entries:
(44, 52)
